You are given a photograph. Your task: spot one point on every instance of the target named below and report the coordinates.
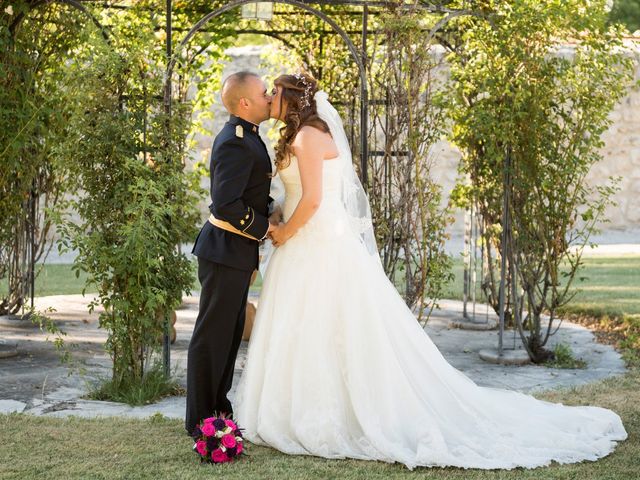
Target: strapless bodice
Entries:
(331, 187)
(331, 177)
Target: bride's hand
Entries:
(280, 235)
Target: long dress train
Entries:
(337, 366)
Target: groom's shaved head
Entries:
(236, 86)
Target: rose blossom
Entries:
(201, 446)
(239, 447)
(218, 456)
(229, 441)
(208, 429)
(230, 423)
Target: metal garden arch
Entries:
(358, 58)
(173, 59)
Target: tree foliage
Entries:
(34, 110)
(626, 12)
(89, 112)
(537, 83)
(85, 116)
(407, 121)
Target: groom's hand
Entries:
(280, 235)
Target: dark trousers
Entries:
(215, 341)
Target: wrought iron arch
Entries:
(72, 3)
(358, 57)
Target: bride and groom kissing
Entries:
(337, 366)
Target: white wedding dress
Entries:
(337, 366)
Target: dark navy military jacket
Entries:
(240, 172)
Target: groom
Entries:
(227, 246)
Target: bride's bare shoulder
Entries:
(312, 138)
(311, 133)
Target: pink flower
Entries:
(201, 446)
(239, 448)
(218, 456)
(208, 429)
(209, 420)
(229, 423)
(229, 440)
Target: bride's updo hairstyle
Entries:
(298, 92)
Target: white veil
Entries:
(354, 198)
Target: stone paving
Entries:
(34, 382)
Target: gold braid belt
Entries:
(228, 227)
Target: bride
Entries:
(337, 365)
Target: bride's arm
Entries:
(308, 148)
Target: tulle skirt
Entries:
(337, 366)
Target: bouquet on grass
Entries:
(218, 440)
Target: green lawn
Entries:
(60, 279)
(609, 285)
(157, 448)
(607, 301)
(54, 279)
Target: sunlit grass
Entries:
(158, 448)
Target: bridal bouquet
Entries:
(218, 440)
